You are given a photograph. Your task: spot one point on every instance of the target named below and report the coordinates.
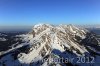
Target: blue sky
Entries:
(29, 12)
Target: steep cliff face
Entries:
(49, 42)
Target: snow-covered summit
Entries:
(46, 41)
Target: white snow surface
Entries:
(48, 38)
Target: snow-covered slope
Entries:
(45, 43)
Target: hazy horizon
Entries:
(29, 27)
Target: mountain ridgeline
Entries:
(45, 44)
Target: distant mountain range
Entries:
(7, 28)
(90, 26)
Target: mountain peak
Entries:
(48, 41)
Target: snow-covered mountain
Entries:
(50, 45)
